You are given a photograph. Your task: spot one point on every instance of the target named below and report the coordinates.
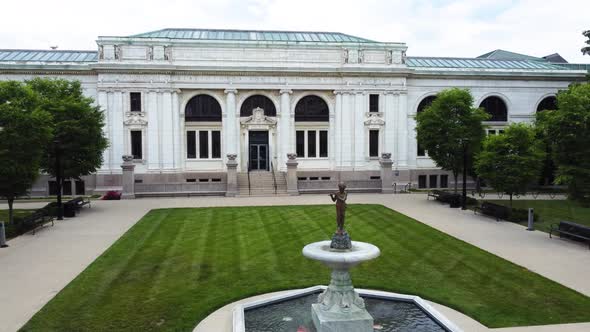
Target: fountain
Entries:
(339, 307)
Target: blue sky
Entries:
(464, 28)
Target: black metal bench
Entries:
(571, 230)
(435, 194)
(36, 220)
(79, 202)
(454, 200)
(495, 210)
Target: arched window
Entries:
(425, 103)
(256, 101)
(202, 108)
(312, 108)
(421, 107)
(547, 104)
(495, 107)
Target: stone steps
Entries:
(262, 184)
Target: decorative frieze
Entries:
(135, 119)
(374, 120)
(258, 120)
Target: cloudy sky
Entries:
(464, 28)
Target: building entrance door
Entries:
(258, 151)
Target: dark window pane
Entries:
(444, 181)
(80, 188)
(52, 188)
(373, 103)
(300, 135)
(547, 104)
(191, 145)
(311, 143)
(373, 143)
(491, 132)
(203, 144)
(67, 188)
(421, 181)
(202, 108)
(323, 143)
(432, 183)
(216, 144)
(312, 108)
(255, 101)
(135, 100)
(495, 107)
(425, 103)
(136, 146)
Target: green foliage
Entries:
(77, 124)
(182, 264)
(25, 130)
(450, 127)
(510, 162)
(586, 49)
(568, 130)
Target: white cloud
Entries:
(437, 28)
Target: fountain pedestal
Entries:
(339, 307)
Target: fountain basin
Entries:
(392, 312)
(341, 259)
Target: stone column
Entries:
(232, 175)
(285, 125)
(403, 129)
(178, 134)
(336, 132)
(230, 127)
(292, 174)
(128, 177)
(386, 173)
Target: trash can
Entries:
(69, 210)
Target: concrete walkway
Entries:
(36, 267)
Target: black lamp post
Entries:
(58, 178)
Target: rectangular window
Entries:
(433, 181)
(135, 100)
(300, 135)
(491, 132)
(323, 143)
(373, 143)
(136, 144)
(444, 181)
(191, 145)
(203, 144)
(215, 144)
(421, 181)
(373, 103)
(80, 188)
(311, 144)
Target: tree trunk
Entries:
(511, 200)
(10, 210)
(455, 175)
(464, 196)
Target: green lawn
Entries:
(176, 266)
(552, 211)
(18, 213)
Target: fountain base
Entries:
(325, 321)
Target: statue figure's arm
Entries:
(333, 197)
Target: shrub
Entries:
(520, 215)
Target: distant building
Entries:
(180, 100)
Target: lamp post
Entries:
(58, 178)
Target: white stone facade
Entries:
(169, 72)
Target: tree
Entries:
(77, 125)
(511, 161)
(586, 49)
(451, 130)
(568, 130)
(25, 131)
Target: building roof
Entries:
(253, 35)
(479, 63)
(507, 55)
(47, 56)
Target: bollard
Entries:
(531, 226)
(2, 236)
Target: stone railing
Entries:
(320, 186)
(180, 189)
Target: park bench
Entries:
(571, 230)
(446, 197)
(37, 219)
(495, 210)
(436, 194)
(79, 202)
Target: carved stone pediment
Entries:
(258, 119)
(374, 119)
(135, 119)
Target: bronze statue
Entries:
(340, 198)
(341, 239)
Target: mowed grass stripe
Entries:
(205, 258)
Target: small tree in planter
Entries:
(509, 162)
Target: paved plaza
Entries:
(36, 267)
